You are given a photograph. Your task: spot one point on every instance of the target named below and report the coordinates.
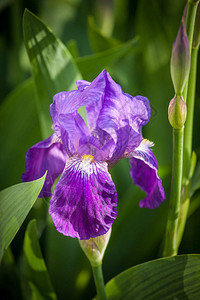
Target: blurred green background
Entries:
(87, 28)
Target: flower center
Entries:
(87, 157)
(86, 162)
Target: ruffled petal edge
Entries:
(144, 172)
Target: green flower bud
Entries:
(94, 248)
(177, 112)
(180, 60)
(196, 35)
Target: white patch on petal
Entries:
(144, 153)
(86, 165)
(84, 201)
(144, 145)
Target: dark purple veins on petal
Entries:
(84, 201)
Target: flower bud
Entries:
(177, 112)
(94, 248)
(180, 60)
(196, 36)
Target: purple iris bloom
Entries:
(84, 201)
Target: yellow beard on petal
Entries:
(86, 162)
(87, 157)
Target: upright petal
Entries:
(84, 201)
(48, 155)
(63, 103)
(82, 84)
(69, 102)
(72, 128)
(91, 145)
(144, 172)
(120, 109)
(127, 140)
(120, 116)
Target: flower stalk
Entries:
(188, 133)
(190, 114)
(177, 111)
(179, 200)
(191, 90)
(174, 206)
(94, 249)
(190, 19)
(189, 25)
(99, 282)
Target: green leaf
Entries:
(98, 41)
(53, 67)
(10, 286)
(154, 30)
(73, 48)
(70, 262)
(36, 272)
(91, 65)
(193, 163)
(195, 181)
(15, 203)
(167, 278)
(19, 130)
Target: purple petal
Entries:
(144, 172)
(93, 111)
(117, 109)
(84, 201)
(92, 145)
(47, 155)
(69, 102)
(127, 140)
(62, 104)
(82, 84)
(72, 128)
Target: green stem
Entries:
(189, 25)
(170, 247)
(189, 97)
(177, 208)
(190, 113)
(99, 282)
(188, 134)
(190, 19)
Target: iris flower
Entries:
(84, 201)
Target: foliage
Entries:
(135, 48)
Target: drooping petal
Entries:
(48, 155)
(84, 201)
(144, 172)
